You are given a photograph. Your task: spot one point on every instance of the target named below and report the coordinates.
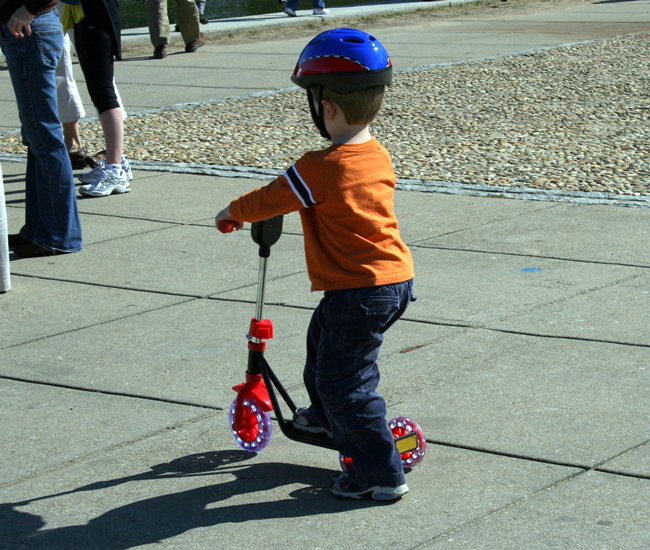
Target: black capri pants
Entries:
(94, 45)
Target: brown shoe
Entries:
(97, 159)
(160, 52)
(16, 239)
(78, 159)
(193, 46)
(32, 250)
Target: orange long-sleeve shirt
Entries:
(344, 195)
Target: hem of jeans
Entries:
(54, 250)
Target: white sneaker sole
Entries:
(119, 189)
(378, 493)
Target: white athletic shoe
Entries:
(320, 11)
(89, 177)
(290, 12)
(107, 183)
(127, 169)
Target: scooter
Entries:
(249, 416)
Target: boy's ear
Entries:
(330, 108)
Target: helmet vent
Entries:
(353, 40)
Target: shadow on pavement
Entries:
(155, 519)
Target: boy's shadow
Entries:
(158, 518)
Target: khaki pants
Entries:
(188, 21)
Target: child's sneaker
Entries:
(304, 422)
(320, 11)
(109, 182)
(89, 177)
(127, 168)
(290, 12)
(343, 486)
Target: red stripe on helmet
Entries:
(329, 64)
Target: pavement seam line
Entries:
(109, 392)
(523, 255)
(417, 242)
(567, 298)
(497, 511)
(574, 338)
(116, 319)
(214, 297)
(116, 446)
(582, 470)
(603, 468)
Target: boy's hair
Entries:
(358, 107)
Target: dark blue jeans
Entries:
(341, 376)
(51, 215)
(295, 4)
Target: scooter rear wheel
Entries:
(256, 433)
(399, 427)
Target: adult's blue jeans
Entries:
(51, 214)
(295, 4)
(341, 376)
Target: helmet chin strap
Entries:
(318, 116)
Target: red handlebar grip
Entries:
(226, 226)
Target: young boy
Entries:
(354, 253)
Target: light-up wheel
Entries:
(345, 462)
(410, 440)
(256, 431)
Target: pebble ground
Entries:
(572, 119)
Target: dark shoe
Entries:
(204, 20)
(343, 486)
(17, 239)
(78, 159)
(97, 159)
(193, 46)
(303, 422)
(160, 52)
(32, 250)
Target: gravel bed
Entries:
(572, 119)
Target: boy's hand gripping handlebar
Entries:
(227, 226)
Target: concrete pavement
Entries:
(525, 359)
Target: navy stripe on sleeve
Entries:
(299, 187)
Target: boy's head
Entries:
(359, 107)
(348, 66)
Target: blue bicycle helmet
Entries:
(344, 61)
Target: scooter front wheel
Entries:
(256, 431)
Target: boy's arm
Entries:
(261, 204)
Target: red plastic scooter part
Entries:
(262, 330)
(254, 389)
(256, 347)
(226, 226)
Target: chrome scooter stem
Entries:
(261, 284)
